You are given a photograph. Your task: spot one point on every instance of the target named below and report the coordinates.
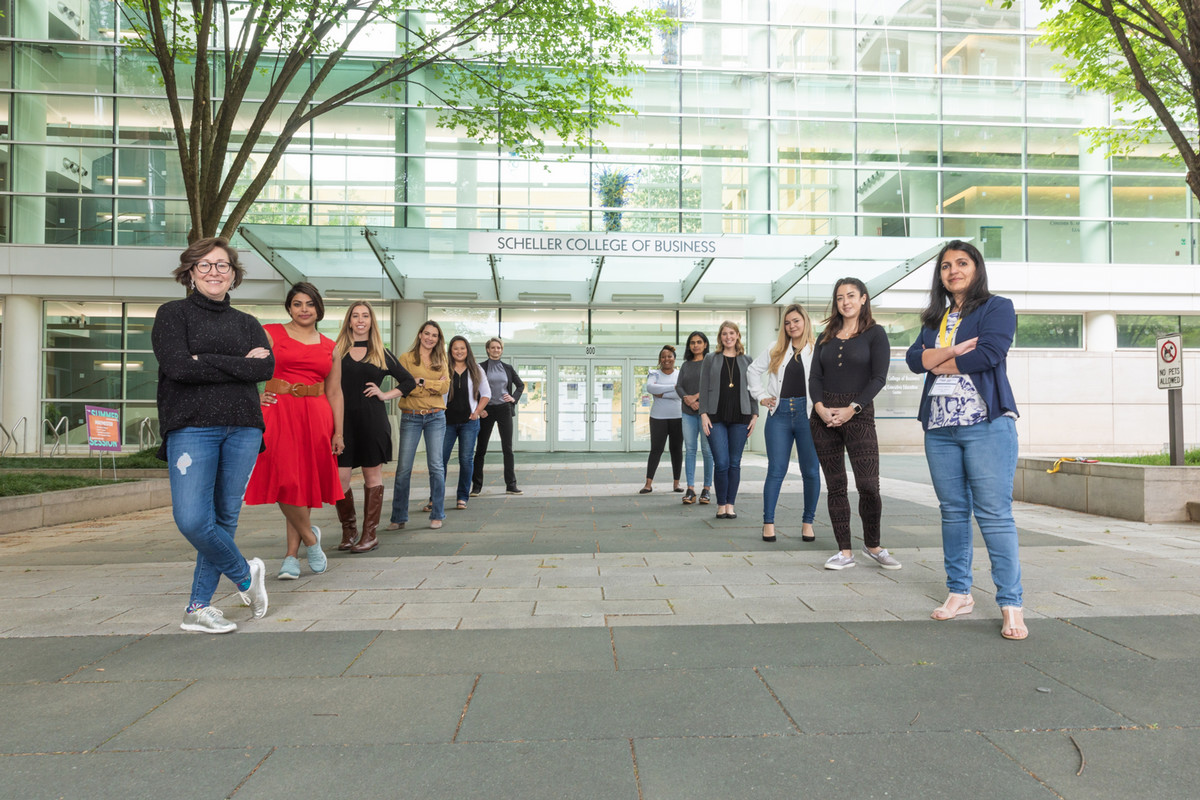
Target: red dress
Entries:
(298, 466)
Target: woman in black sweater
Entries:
(849, 367)
(210, 358)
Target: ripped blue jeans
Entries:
(209, 470)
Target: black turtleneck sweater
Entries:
(219, 387)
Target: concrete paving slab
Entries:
(328, 711)
(832, 768)
(1116, 763)
(437, 653)
(976, 639)
(1157, 637)
(701, 647)
(529, 770)
(196, 656)
(48, 660)
(621, 705)
(181, 775)
(74, 717)
(985, 697)
(1156, 693)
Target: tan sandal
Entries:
(394, 526)
(435, 524)
(1013, 626)
(955, 606)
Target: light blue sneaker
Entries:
(316, 556)
(289, 570)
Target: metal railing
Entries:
(10, 438)
(147, 433)
(60, 436)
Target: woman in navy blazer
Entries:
(969, 416)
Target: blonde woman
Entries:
(424, 414)
(365, 365)
(727, 413)
(779, 381)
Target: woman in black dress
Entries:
(365, 364)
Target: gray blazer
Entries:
(710, 383)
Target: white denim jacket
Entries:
(774, 384)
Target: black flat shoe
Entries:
(722, 515)
(645, 490)
(768, 538)
(812, 538)
(677, 489)
(731, 516)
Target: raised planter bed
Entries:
(26, 511)
(1127, 491)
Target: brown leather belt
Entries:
(277, 386)
(421, 412)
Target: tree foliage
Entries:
(1145, 55)
(506, 72)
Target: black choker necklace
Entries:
(360, 344)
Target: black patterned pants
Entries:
(856, 438)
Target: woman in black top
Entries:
(849, 368)
(727, 413)
(210, 358)
(466, 402)
(368, 432)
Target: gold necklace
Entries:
(730, 369)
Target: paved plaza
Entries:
(584, 641)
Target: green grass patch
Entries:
(1191, 458)
(142, 459)
(38, 482)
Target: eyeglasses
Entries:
(205, 267)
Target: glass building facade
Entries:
(837, 118)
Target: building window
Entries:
(1049, 330)
(1142, 330)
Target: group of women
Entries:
(323, 413)
(819, 399)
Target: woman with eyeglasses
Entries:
(210, 359)
(303, 410)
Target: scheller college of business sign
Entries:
(528, 243)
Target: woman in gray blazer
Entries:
(727, 413)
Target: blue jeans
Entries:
(972, 468)
(692, 432)
(465, 434)
(727, 442)
(788, 425)
(412, 427)
(209, 469)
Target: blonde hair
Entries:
(733, 326)
(781, 345)
(345, 337)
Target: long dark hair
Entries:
(939, 298)
(687, 348)
(472, 367)
(835, 320)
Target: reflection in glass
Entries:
(533, 410)
(1049, 330)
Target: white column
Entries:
(763, 324)
(1100, 331)
(20, 369)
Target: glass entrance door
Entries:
(589, 405)
(531, 426)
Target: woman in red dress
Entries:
(302, 409)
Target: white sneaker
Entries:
(209, 619)
(883, 558)
(839, 561)
(256, 595)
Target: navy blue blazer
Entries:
(995, 323)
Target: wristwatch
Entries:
(857, 408)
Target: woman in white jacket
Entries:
(778, 379)
(665, 422)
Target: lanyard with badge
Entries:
(945, 385)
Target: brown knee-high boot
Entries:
(372, 507)
(345, 512)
